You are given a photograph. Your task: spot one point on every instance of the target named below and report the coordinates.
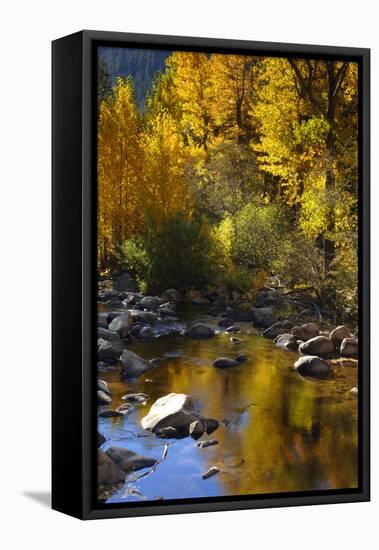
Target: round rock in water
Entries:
(312, 366)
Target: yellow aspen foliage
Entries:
(191, 78)
(120, 169)
(233, 79)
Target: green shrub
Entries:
(178, 253)
(258, 236)
(132, 257)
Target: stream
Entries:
(278, 432)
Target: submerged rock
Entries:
(349, 347)
(129, 461)
(200, 331)
(108, 472)
(133, 365)
(225, 363)
(135, 397)
(312, 366)
(319, 345)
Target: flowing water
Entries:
(278, 431)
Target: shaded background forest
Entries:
(224, 170)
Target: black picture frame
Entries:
(75, 285)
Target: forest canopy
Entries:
(234, 169)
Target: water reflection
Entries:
(279, 432)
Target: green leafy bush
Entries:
(258, 235)
(132, 257)
(178, 253)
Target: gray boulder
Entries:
(305, 332)
(150, 302)
(200, 331)
(122, 324)
(103, 398)
(143, 316)
(320, 345)
(103, 386)
(129, 461)
(108, 473)
(177, 412)
(133, 365)
(312, 366)
(339, 334)
(110, 336)
(281, 327)
(349, 347)
(288, 342)
(107, 351)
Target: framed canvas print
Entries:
(210, 274)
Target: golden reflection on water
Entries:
(282, 432)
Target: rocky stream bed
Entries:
(204, 397)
